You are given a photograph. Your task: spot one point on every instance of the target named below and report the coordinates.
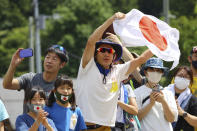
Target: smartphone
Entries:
(26, 53)
(157, 88)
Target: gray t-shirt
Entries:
(30, 80)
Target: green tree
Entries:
(178, 7)
(10, 15)
(10, 41)
(78, 20)
(151, 7)
(123, 5)
(188, 31)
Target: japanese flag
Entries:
(36, 108)
(138, 29)
(64, 98)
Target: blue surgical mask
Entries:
(194, 64)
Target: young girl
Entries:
(62, 108)
(35, 119)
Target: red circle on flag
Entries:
(38, 108)
(151, 32)
(64, 98)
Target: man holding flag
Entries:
(98, 80)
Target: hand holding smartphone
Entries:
(157, 88)
(26, 53)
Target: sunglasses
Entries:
(103, 50)
(61, 48)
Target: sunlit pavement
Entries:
(13, 100)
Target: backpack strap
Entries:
(145, 99)
(125, 94)
(131, 83)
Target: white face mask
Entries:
(154, 77)
(181, 83)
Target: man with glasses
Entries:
(55, 59)
(193, 64)
(98, 81)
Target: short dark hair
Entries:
(60, 51)
(29, 94)
(188, 70)
(62, 80)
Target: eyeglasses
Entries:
(103, 50)
(61, 48)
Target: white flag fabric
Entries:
(138, 29)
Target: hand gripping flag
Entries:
(138, 29)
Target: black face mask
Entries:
(62, 98)
(194, 64)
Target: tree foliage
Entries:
(73, 28)
(151, 7)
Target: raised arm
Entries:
(134, 62)
(127, 56)
(96, 36)
(9, 82)
(139, 61)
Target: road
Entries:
(13, 100)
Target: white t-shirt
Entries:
(119, 117)
(155, 120)
(98, 101)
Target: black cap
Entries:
(60, 51)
